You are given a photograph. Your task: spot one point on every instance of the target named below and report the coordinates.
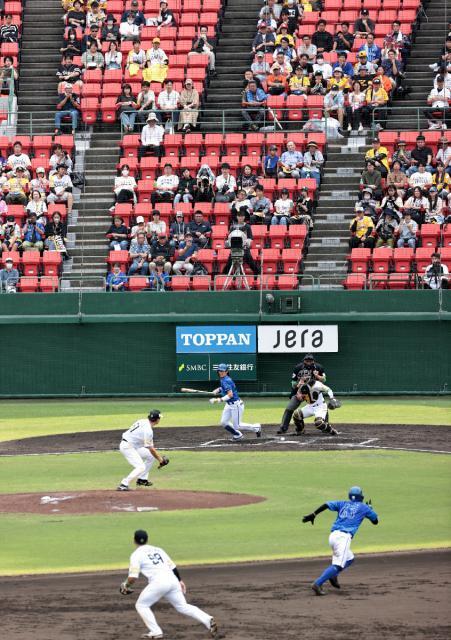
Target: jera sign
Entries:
(296, 338)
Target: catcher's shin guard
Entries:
(298, 420)
(325, 427)
(286, 419)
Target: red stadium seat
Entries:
(108, 109)
(213, 144)
(296, 235)
(378, 281)
(49, 284)
(295, 107)
(180, 283)
(125, 211)
(254, 144)
(277, 236)
(446, 257)
(381, 259)
(260, 234)
(138, 283)
(219, 234)
(173, 144)
(402, 258)
(51, 263)
(89, 108)
(201, 283)
(401, 281)
(29, 284)
(271, 258)
(30, 263)
(430, 235)
(290, 260)
(207, 257)
(359, 260)
(355, 281)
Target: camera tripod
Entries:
(236, 274)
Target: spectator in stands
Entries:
(261, 207)
(92, 58)
(418, 205)
(76, 17)
(136, 58)
(253, 105)
(386, 82)
(166, 186)
(402, 156)
(9, 32)
(18, 159)
(33, 234)
(165, 17)
(291, 14)
(276, 82)
(59, 156)
(441, 180)
(264, 40)
(68, 72)
(260, 68)
(283, 64)
(303, 209)
(363, 25)
(152, 136)
(282, 32)
(283, 208)
(139, 254)
(318, 86)
(61, 188)
(157, 63)
(369, 202)
(420, 153)
(8, 74)
(10, 235)
(444, 154)
(438, 100)
(40, 183)
(113, 57)
(158, 278)
(96, 16)
(129, 30)
(247, 180)
(205, 180)
(435, 213)
(225, 185)
(379, 155)
(126, 108)
(421, 178)
(201, 230)
(186, 188)
(334, 103)
(305, 65)
(322, 39)
(270, 163)
(169, 103)
(376, 101)
(241, 225)
(68, 106)
(353, 107)
(156, 227)
(116, 279)
(71, 43)
(117, 235)
(202, 45)
(16, 187)
(372, 178)
(299, 83)
(187, 252)
(291, 162)
(145, 102)
(9, 277)
(361, 228)
(268, 18)
(324, 67)
(339, 79)
(92, 38)
(308, 48)
(407, 231)
(284, 48)
(436, 274)
(241, 202)
(248, 77)
(362, 61)
(110, 30)
(361, 76)
(344, 65)
(343, 38)
(178, 229)
(373, 52)
(274, 9)
(393, 68)
(393, 201)
(56, 235)
(385, 230)
(189, 103)
(313, 161)
(398, 40)
(37, 205)
(139, 227)
(138, 16)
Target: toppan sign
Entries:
(216, 339)
(296, 338)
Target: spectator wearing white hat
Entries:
(152, 136)
(260, 68)
(9, 277)
(313, 161)
(40, 183)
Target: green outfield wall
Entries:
(94, 344)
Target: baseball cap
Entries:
(375, 140)
(335, 87)
(155, 414)
(339, 69)
(40, 170)
(20, 169)
(403, 142)
(309, 356)
(156, 40)
(364, 12)
(223, 367)
(273, 146)
(152, 116)
(9, 260)
(140, 219)
(376, 81)
(141, 536)
(179, 214)
(433, 189)
(260, 54)
(362, 54)
(94, 27)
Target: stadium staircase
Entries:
(426, 50)
(328, 246)
(232, 59)
(40, 57)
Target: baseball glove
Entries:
(334, 404)
(125, 589)
(163, 462)
(310, 518)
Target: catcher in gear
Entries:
(305, 371)
(312, 394)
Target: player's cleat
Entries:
(334, 582)
(149, 635)
(319, 591)
(213, 628)
(237, 438)
(258, 433)
(333, 432)
(282, 430)
(123, 487)
(143, 483)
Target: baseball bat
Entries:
(188, 390)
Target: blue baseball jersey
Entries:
(227, 384)
(350, 515)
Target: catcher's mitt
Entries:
(125, 589)
(164, 462)
(334, 404)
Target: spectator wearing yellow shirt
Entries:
(282, 32)
(338, 78)
(16, 188)
(441, 180)
(299, 83)
(376, 100)
(379, 156)
(361, 228)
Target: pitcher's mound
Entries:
(148, 499)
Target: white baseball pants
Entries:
(170, 590)
(340, 543)
(232, 415)
(319, 410)
(141, 460)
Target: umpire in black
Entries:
(305, 371)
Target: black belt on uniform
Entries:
(124, 440)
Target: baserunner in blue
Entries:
(351, 514)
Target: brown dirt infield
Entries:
(383, 597)
(351, 436)
(146, 499)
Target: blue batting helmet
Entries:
(223, 367)
(356, 494)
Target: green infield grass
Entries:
(22, 419)
(409, 491)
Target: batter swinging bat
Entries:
(187, 390)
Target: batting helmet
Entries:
(309, 356)
(355, 494)
(141, 536)
(223, 367)
(154, 415)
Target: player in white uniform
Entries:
(312, 393)
(164, 582)
(138, 449)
